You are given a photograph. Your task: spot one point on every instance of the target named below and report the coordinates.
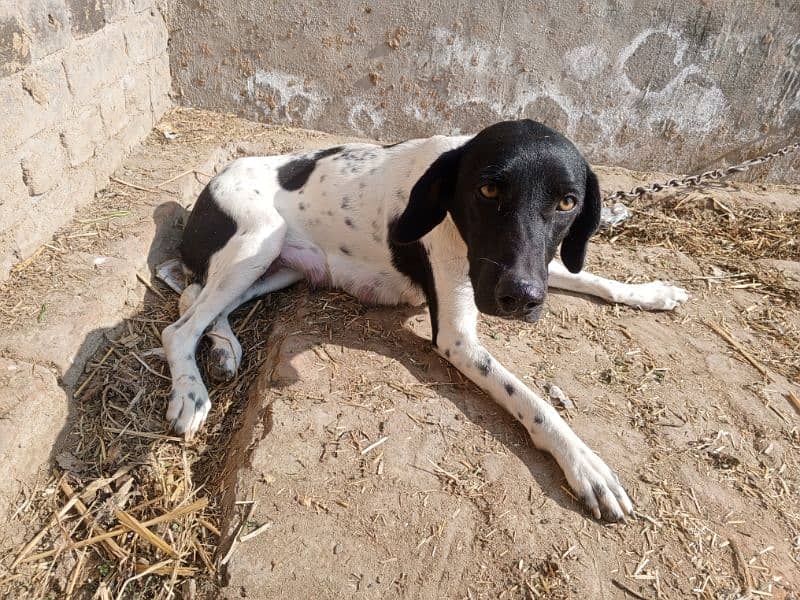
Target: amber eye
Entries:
(490, 191)
(567, 204)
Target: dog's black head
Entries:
(515, 191)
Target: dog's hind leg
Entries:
(226, 352)
(655, 295)
(232, 271)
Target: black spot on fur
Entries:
(538, 419)
(191, 396)
(257, 192)
(510, 390)
(301, 206)
(484, 365)
(192, 378)
(329, 213)
(412, 261)
(207, 230)
(349, 222)
(294, 174)
(345, 250)
(189, 357)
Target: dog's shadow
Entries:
(389, 335)
(112, 383)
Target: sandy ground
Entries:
(454, 502)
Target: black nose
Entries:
(519, 295)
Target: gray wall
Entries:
(646, 84)
(81, 82)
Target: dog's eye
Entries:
(567, 203)
(489, 191)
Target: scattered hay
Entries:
(133, 511)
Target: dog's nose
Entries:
(519, 295)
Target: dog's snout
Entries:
(519, 295)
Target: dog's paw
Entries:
(225, 358)
(655, 295)
(188, 406)
(596, 485)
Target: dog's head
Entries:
(515, 192)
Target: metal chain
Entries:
(695, 180)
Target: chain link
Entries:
(695, 180)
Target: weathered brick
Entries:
(81, 135)
(15, 48)
(46, 213)
(95, 61)
(13, 193)
(139, 125)
(43, 163)
(160, 85)
(88, 16)
(47, 85)
(136, 85)
(116, 10)
(108, 156)
(140, 6)
(30, 101)
(48, 23)
(146, 37)
(112, 108)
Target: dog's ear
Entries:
(573, 248)
(429, 200)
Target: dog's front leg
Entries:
(590, 478)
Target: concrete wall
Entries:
(667, 85)
(81, 81)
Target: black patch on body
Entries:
(345, 250)
(207, 231)
(538, 419)
(413, 262)
(510, 390)
(294, 174)
(349, 222)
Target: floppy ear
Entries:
(573, 248)
(429, 200)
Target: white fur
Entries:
(332, 231)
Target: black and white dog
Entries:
(466, 223)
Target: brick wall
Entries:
(81, 82)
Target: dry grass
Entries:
(133, 511)
(730, 243)
(132, 477)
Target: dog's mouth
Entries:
(488, 306)
(529, 315)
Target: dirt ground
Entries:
(348, 460)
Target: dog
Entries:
(467, 224)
